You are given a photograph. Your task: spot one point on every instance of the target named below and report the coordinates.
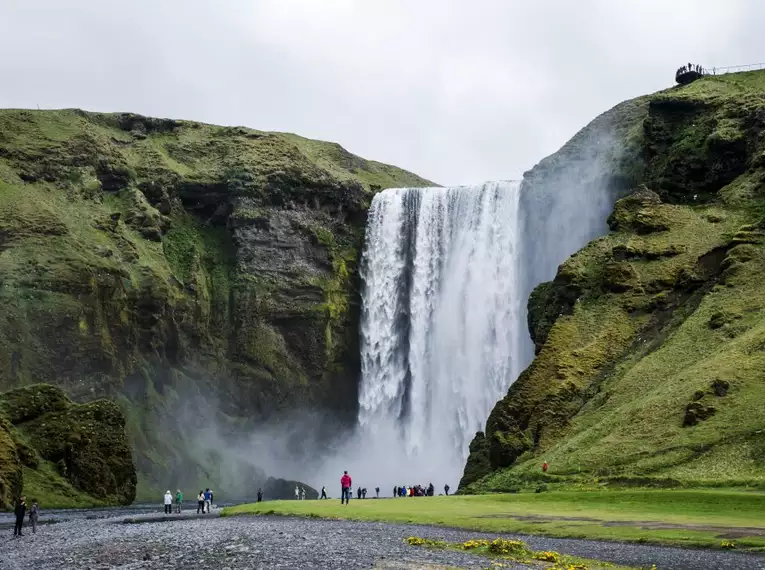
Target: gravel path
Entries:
(277, 542)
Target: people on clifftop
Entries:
(690, 68)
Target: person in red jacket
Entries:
(544, 467)
(345, 484)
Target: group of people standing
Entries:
(168, 500)
(690, 68)
(204, 501)
(418, 491)
(299, 493)
(20, 510)
(346, 490)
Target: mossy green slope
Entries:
(176, 268)
(650, 361)
(62, 453)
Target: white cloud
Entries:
(455, 91)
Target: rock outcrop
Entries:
(61, 452)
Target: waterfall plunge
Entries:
(443, 330)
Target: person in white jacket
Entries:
(168, 503)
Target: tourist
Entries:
(20, 511)
(446, 489)
(178, 501)
(212, 496)
(34, 512)
(545, 466)
(208, 500)
(364, 493)
(323, 492)
(201, 502)
(377, 492)
(168, 502)
(345, 487)
(297, 493)
(395, 492)
(260, 495)
(358, 492)
(302, 493)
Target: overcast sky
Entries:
(458, 91)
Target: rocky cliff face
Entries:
(181, 270)
(648, 365)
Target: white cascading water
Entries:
(443, 329)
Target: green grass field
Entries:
(690, 518)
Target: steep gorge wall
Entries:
(646, 366)
(188, 272)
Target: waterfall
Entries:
(443, 328)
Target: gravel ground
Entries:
(277, 542)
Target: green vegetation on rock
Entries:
(61, 453)
(194, 274)
(649, 340)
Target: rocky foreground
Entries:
(278, 542)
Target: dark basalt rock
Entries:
(282, 489)
(696, 412)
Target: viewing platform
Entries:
(690, 73)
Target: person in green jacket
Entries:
(178, 501)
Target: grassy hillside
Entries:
(650, 367)
(197, 275)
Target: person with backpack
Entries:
(345, 488)
(323, 492)
(178, 501)
(201, 502)
(34, 512)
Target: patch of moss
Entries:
(71, 454)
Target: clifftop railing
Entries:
(689, 73)
(734, 69)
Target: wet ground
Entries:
(98, 540)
